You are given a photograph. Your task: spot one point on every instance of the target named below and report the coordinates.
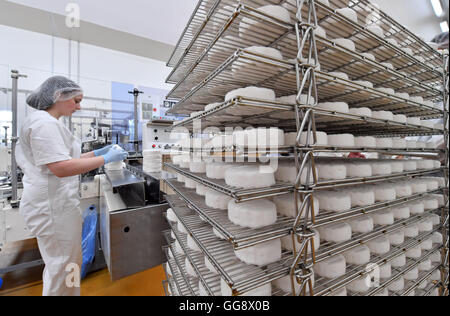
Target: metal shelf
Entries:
(241, 237)
(183, 286)
(211, 282)
(240, 276)
(282, 115)
(242, 195)
(217, 45)
(244, 68)
(222, 257)
(325, 287)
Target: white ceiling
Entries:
(164, 20)
(159, 20)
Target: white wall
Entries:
(40, 56)
(416, 15)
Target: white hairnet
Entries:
(54, 89)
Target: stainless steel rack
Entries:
(244, 67)
(211, 59)
(241, 237)
(326, 287)
(283, 116)
(222, 257)
(242, 195)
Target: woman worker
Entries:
(50, 158)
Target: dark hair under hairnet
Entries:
(54, 89)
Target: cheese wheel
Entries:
(397, 238)
(342, 140)
(171, 216)
(397, 285)
(362, 225)
(414, 253)
(416, 207)
(336, 233)
(399, 261)
(252, 214)
(361, 112)
(261, 254)
(385, 143)
(366, 142)
(401, 212)
(361, 197)
(381, 168)
(334, 201)
(250, 177)
(331, 268)
(383, 218)
(285, 205)
(331, 171)
(334, 106)
(358, 256)
(359, 169)
(379, 246)
(412, 231)
(217, 200)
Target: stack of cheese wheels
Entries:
(152, 161)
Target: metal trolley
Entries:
(211, 59)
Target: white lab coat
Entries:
(50, 205)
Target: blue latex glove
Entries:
(102, 151)
(115, 155)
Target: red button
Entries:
(154, 146)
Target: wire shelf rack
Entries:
(243, 68)
(241, 237)
(221, 255)
(212, 58)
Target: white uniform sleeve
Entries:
(47, 144)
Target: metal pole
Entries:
(15, 78)
(136, 93)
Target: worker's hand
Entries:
(102, 151)
(115, 155)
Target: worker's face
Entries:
(69, 107)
